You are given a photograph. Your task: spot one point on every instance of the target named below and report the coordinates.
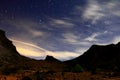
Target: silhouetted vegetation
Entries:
(6, 70)
(38, 76)
(77, 68)
(26, 78)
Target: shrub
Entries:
(78, 68)
(26, 78)
(38, 75)
(6, 70)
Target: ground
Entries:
(59, 76)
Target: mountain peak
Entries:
(50, 58)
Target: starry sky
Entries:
(64, 29)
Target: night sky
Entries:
(64, 29)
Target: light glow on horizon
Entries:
(33, 51)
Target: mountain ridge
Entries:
(100, 56)
(7, 49)
(97, 56)
(10, 59)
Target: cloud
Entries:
(28, 49)
(21, 23)
(36, 33)
(107, 22)
(113, 8)
(96, 10)
(70, 38)
(93, 11)
(81, 50)
(92, 37)
(117, 13)
(78, 9)
(65, 55)
(61, 23)
(116, 39)
(25, 30)
(113, 39)
(33, 51)
(25, 43)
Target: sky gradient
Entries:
(64, 29)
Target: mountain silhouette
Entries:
(98, 56)
(51, 58)
(11, 59)
(8, 53)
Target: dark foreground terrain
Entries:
(98, 63)
(26, 75)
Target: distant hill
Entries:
(51, 58)
(102, 57)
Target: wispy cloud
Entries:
(25, 26)
(61, 23)
(70, 38)
(37, 33)
(96, 10)
(117, 13)
(93, 11)
(92, 37)
(114, 40)
(81, 49)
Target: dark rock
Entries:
(8, 52)
(51, 58)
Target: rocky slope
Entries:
(10, 58)
(8, 53)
